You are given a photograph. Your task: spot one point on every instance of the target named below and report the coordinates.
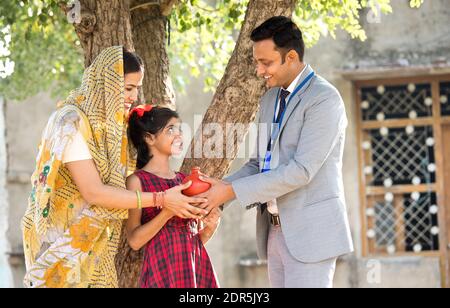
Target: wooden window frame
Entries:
(436, 121)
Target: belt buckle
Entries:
(275, 220)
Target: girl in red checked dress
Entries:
(175, 256)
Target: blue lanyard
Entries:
(291, 96)
(276, 132)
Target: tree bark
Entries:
(104, 23)
(237, 97)
(149, 36)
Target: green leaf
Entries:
(46, 55)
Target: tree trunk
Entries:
(237, 97)
(149, 36)
(104, 23)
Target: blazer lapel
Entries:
(295, 101)
(266, 128)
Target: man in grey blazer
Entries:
(296, 179)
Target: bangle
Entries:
(139, 200)
(157, 200)
(163, 199)
(154, 200)
(160, 200)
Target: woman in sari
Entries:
(72, 226)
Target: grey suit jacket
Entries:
(306, 176)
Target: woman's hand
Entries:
(181, 205)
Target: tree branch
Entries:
(165, 6)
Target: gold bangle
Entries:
(139, 200)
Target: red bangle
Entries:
(158, 200)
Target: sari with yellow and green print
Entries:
(67, 242)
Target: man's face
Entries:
(269, 63)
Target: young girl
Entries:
(175, 256)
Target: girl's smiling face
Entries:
(168, 141)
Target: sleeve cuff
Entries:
(241, 193)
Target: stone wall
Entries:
(5, 270)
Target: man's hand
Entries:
(220, 193)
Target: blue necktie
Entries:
(283, 95)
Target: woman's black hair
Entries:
(132, 63)
(152, 122)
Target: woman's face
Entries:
(133, 82)
(170, 140)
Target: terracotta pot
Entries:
(198, 186)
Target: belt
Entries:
(275, 220)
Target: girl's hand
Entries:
(181, 205)
(212, 220)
